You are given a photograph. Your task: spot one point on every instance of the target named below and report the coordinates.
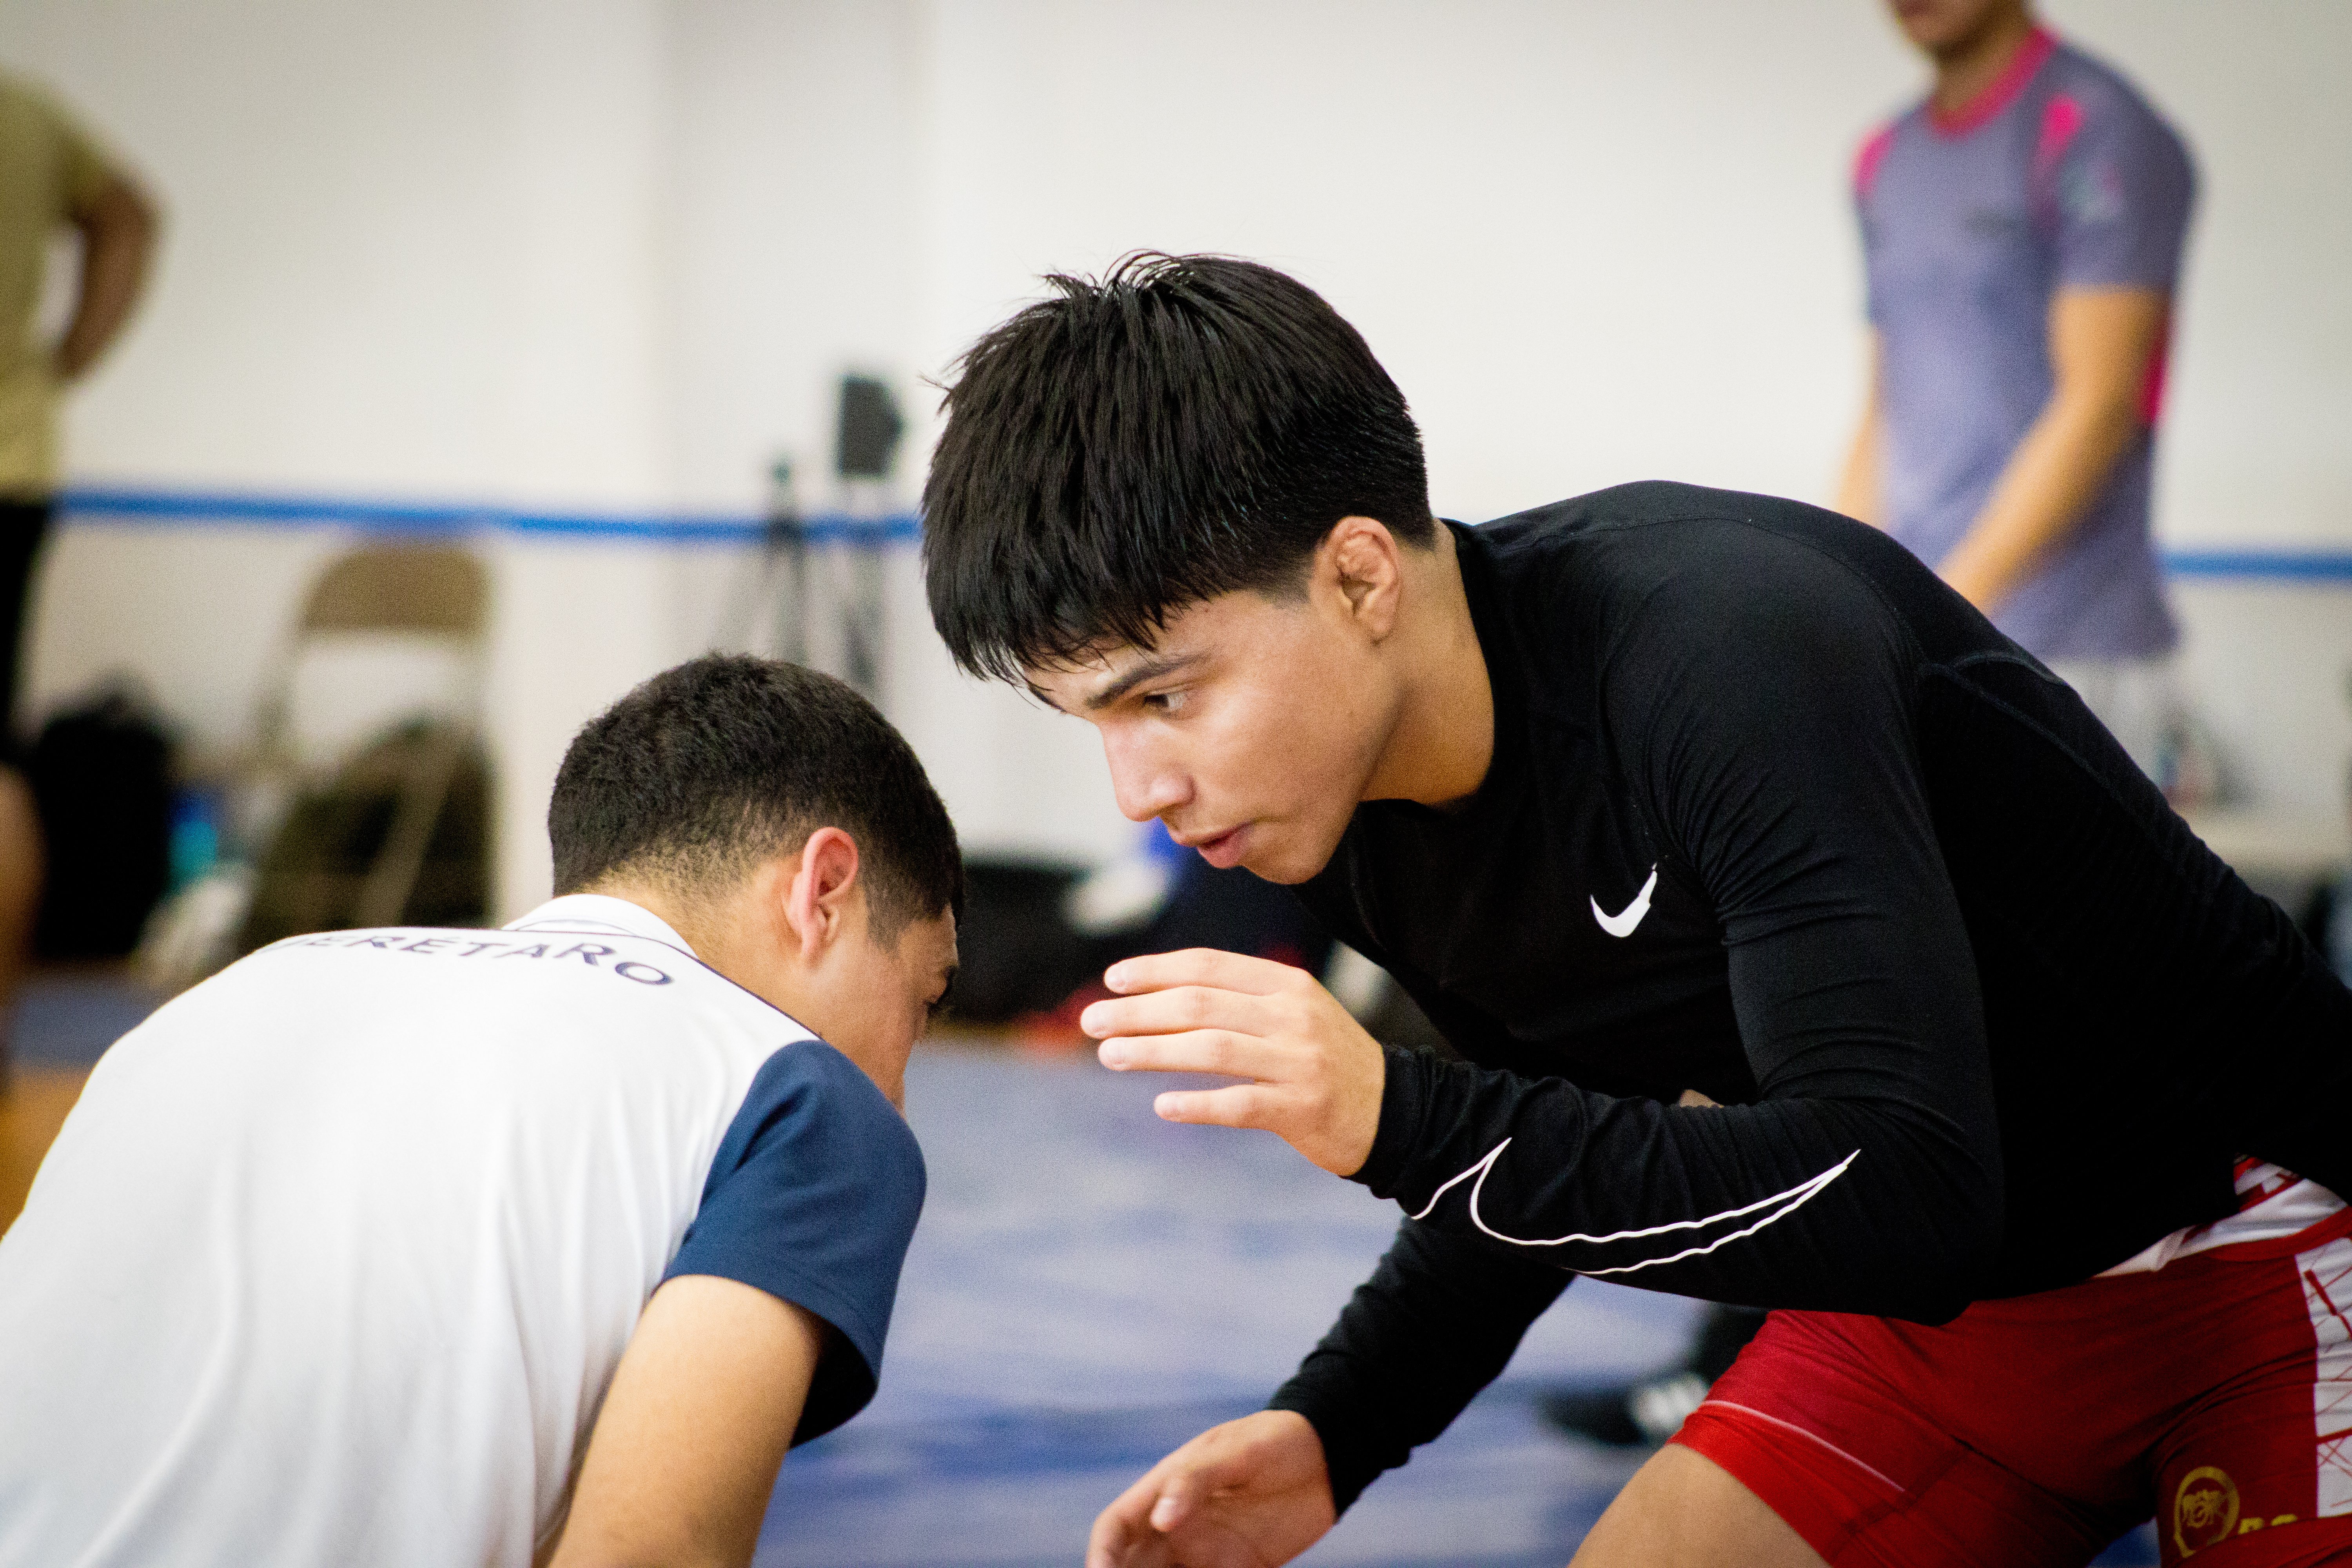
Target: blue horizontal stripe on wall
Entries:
(124, 504)
(2273, 565)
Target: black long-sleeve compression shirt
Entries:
(1775, 815)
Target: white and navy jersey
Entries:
(335, 1257)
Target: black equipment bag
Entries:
(102, 777)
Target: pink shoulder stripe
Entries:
(1873, 153)
(2061, 122)
(2151, 388)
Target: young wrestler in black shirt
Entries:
(1809, 944)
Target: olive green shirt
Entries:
(49, 170)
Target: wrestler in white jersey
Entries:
(338, 1257)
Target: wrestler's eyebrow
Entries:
(1143, 669)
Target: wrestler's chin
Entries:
(1280, 852)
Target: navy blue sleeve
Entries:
(813, 1198)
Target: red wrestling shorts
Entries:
(2030, 1432)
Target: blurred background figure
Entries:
(53, 176)
(2022, 229)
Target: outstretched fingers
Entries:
(1221, 1051)
(1209, 966)
(1243, 1105)
(1315, 1078)
(1179, 1009)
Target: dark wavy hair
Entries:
(697, 775)
(1182, 427)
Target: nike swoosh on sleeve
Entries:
(1622, 922)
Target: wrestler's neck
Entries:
(1970, 65)
(1442, 738)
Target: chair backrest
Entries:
(433, 588)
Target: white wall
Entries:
(1597, 242)
(333, 175)
(2256, 444)
(792, 225)
(806, 172)
(613, 253)
(1593, 242)
(417, 250)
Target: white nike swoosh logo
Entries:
(1782, 1205)
(1622, 922)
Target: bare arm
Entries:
(694, 1430)
(2102, 343)
(1857, 494)
(118, 227)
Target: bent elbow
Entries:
(1946, 1286)
(1949, 1263)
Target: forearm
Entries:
(2103, 348)
(1857, 494)
(693, 1428)
(118, 242)
(1840, 1203)
(2056, 472)
(1437, 1322)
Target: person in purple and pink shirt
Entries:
(2022, 229)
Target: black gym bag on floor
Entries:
(102, 777)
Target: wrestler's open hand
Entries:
(1248, 1494)
(1315, 1078)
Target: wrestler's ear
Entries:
(820, 898)
(1361, 563)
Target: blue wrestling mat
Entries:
(1091, 1286)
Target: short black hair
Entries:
(701, 773)
(1182, 428)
